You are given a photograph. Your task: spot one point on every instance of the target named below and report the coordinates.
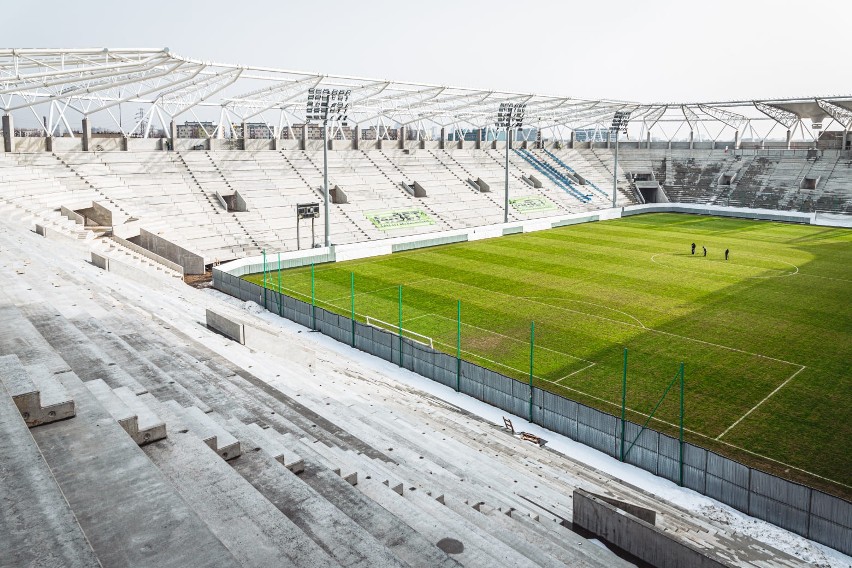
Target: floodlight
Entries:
(620, 120)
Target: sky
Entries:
(648, 51)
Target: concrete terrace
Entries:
(186, 448)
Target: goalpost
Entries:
(394, 328)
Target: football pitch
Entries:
(765, 337)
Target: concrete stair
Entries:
(206, 429)
(38, 396)
(140, 423)
(38, 526)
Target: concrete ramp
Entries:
(40, 398)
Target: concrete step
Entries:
(107, 336)
(39, 397)
(346, 541)
(252, 528)
(37, 524)
(148, 429)
(431, 528)
(130, 514)
(333, 462)
(271, 443)
(505, 533)
(206, 429)
(85, 359)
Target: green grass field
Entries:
(766, 337)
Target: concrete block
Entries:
(40, 398)
(637, 537)
(225, 325)
(100, 261)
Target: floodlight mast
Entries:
(321, 104)
(619, 121)
(509, 115)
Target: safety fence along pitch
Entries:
(800, 509)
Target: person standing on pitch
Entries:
(693, 248)
(705, 250)
(726, 254)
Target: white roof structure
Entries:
(61, 83)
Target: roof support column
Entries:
(691, 139)
(789, 137)
(736, 139)
(274, 141)
(402, 133)
(648, 144)
(173, 134)
(845, 139)
(479, 138)
(443, 142)
(87, 134)
(304, 144)
(572, 139)
(8, 133)
(356, 138)
(245, 135)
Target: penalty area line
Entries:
(756, 406)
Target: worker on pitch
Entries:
(693, 248)
(705, 250)
(726, 254)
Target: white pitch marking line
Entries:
(825, 277)
(755, 407)
(625, 323)
(694, 271)
(582, 302)
(514, 339)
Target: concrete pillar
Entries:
(244, 135)
(173, 134)
(648, 145)
(87, 134)
(124, 143)
(356, 138)
(443, 142)
(479, 139)
(48, 144)
(8, 133)
(572, 139)
(304, 144)
(736, 139)
(274, 141)
(789, 137)
(401, 135)
(209, 143)
(845, 138)
(670, 144)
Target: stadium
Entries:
(256, 316)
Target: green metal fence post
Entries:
(532, 348)
(352, 293)
(400, 325)
(263, 252)
(313, 299)
(623, 401)
(458, 346)
(280, 299)
(680, 477)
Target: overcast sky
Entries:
(645, 51)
